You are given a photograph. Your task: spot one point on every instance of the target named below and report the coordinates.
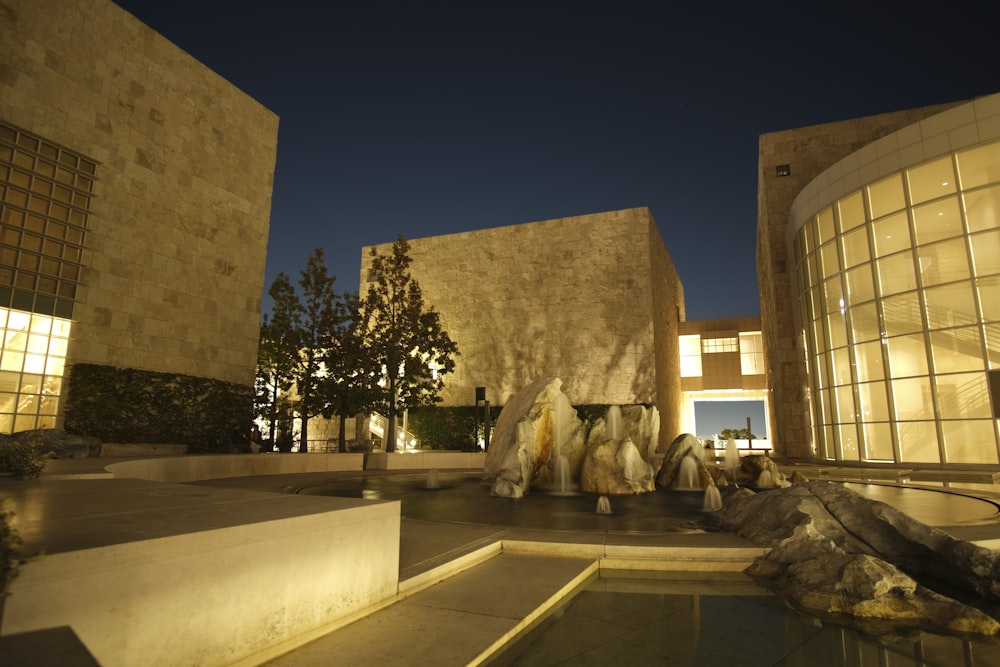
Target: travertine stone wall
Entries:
(179, 223)
(593, 300)
(807, 151)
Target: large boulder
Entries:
(536, 427)
(683, 446)
(836, 553)
(641, 425)
(613, 467)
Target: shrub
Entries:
(23, 457)
(10, 546)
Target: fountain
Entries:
(765, 480)
(603, 505)
(432, 479)
(713, 499)
(562, 486)
(732, 457)
(687, 475)
(614, 423)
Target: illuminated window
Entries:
(690, 356)
(32, 363)
(715, 345)
(901, 315)
(751, 353)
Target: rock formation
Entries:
(614, 467)
(836, 553)
(684, 445)
(535, 427)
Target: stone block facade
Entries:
(175, 247)
(593, 299)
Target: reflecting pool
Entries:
(724, 619)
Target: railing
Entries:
(378, 424)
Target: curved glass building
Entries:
(892, 277)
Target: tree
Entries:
(277, 355)
(405, 341)
(294, 342)
(321, 314)
(352, 375)
(737, 434)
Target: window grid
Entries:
(939, 316)
(45, 196)
(717, 345)
(32, 363)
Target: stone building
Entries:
(878, 254)
(135, 188)
(593, 300)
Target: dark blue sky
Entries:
(426, 118)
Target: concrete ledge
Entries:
(282, 572)
(644, 558)
(443, 459)
(117, 449)
(217, 466)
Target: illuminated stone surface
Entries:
(836, 552)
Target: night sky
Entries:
(426, 118)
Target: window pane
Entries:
(848, 435)
(856, 247)
(989, 298)
(951, 305)
(852, 211)
(979, 166)
(886, 196)
(907, 356)
(833, 295)
(896, 273)
(943, 262)
(901, 314)
(963, 396)
(912, 399)
(690, 350)
(824, 223)
(864, 322)
(917, 442)
(891, 234)
(841, 361)
(860, 286)
(836, 329)
(844, 396)
(931, 180)
(937, 221)
(969, 441)
(874, 404)
(868, 359)
(986, 253)
(808, 236)
(957, 350)
(825, 407)
(982, 208)
(822, 370)
(831, 264)
(878, 442)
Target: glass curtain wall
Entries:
(899, 290)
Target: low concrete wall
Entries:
(442, 459)
(216, 466)
(115, 449)
(239, 594)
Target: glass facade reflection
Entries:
(899, 293)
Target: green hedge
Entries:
(130, 405)
(454, 427)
